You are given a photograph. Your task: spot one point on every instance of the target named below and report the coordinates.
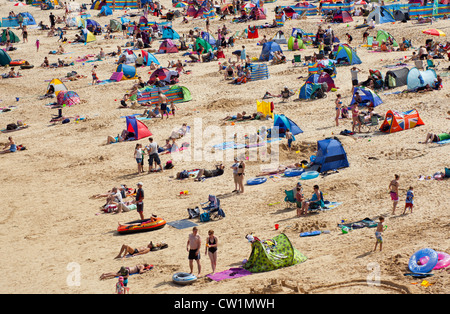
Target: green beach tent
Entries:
(384, 36)
(301, 44)
(5, 59)
(13, 37)
(273, 254)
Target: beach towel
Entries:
(229, 274)
(366, 222)
(182, 224)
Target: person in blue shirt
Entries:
(409, 202)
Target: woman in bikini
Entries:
(211, 248)
(355, 117)
(338, 104)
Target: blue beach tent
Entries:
(106, 10)
(268, 49)
(283, 123)
(331, 155)
(366, 95)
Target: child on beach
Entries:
(138, 155)
(94, 75)
(409, 202)
(378, 232)
(120, 287)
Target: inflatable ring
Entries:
(443, 260)
(256, 181)
(309, 175)
(26, 66)
(17, 62)
(183, 278)
(413, 263)
(293, 172)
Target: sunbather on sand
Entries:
(126, 249)
(280, 169)
(210, 173)
(126, 271)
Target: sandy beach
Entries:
(54, 241)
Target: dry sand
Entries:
(49, 226)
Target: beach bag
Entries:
(11, 126)
(193, 212)
(204, 217)
(221, 213)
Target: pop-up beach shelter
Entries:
(331, 155)
(396, 78)
(5, 59)
(273, 254)
(169, 33)
(167, 46)
(385, 36)
(129, 71)
(283, 123)
(346, 54)
(57, 86)
(417, 78)
(396, 121)
(323, 77)
(366, 95)
(139, 129)
(268, 49)
(381, 15)
(342, 17)
(149, 58)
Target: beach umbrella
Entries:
(19, 4)
(433, 32)
(249, 6)
(361, 2)
(180, 5)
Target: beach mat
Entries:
(366, 222)
(444, 142)
(182, 224)
(330, 205)
(229, 274)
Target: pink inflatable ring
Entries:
(443, 260)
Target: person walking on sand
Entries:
(409, 202)
(211, 248)
(378, 234)
(140, 200)
(162, 100)
(193, 247)
(393, 191)
(240, 176)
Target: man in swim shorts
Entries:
(162, 99)
(193, 247)
(378, 232)
(393, 191)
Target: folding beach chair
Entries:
(419, 64)
(297, 60)
(289, 199)
(212, 205)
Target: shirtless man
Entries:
(393, 190)
(193, 247)
(162, 100)
(126, 249)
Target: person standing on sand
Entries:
(140, 200)
(338, 106)
(393, 191)
(193, 247)
(378, 232)
(211, 248)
